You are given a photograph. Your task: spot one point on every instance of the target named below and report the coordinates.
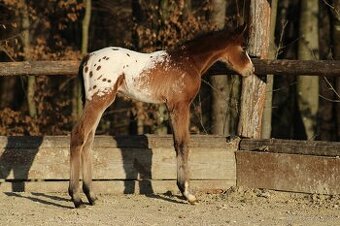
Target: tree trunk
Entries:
(267, 112)
(138, 17)
(162, 114)
(336, 38)
(185, 7)
(307, 86)
(86, 26)
(253, 88)
(32, 108)
(77, 105)
(220, 93)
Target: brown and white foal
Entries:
(172, 78)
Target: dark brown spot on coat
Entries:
(107, 58)
(128, 54)
(86, 59)
(86, 69)
(115, 49)
(98, 68)
(95, 65)
(109, 81)
(99, 60)
(99, 77)
(91, 74)
(104, 79)
(94, 86)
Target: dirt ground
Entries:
(236, 206)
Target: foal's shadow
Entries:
(169, 198)
(137, 164)
(38, 197)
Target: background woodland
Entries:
(302, 107)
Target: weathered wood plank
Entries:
(262, 67)
(131, 141)
(297, 67)
(36, 68)
(116, 186)
(148, 157)
(115, 163)
(322, 148)
(288, 172)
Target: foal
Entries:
(169, 77)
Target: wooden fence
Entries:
(146, 164)
(128, 164)
(287, 165)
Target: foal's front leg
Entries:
(180, 124)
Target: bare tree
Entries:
(308, 86)
(220, 91)
(26, 41)
(77, 104)
(267, 112)
(336, 38)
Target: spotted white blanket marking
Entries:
(104, 67)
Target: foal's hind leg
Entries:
(179, 114)
(81, 142)
(78, 137)
(86, 158)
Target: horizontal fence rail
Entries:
(262, 67)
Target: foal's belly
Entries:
(142, 95)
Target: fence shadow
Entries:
(17, 157)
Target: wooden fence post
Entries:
(253, 88)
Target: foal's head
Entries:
(235, 54)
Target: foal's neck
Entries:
(206, 50)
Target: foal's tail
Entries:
(81, 78)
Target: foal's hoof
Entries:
(78, 204)
(92, 201)
(192, 199)
(193, 202)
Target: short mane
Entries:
(226, 33)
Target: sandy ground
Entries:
(236, 206)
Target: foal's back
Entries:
(149, 77)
